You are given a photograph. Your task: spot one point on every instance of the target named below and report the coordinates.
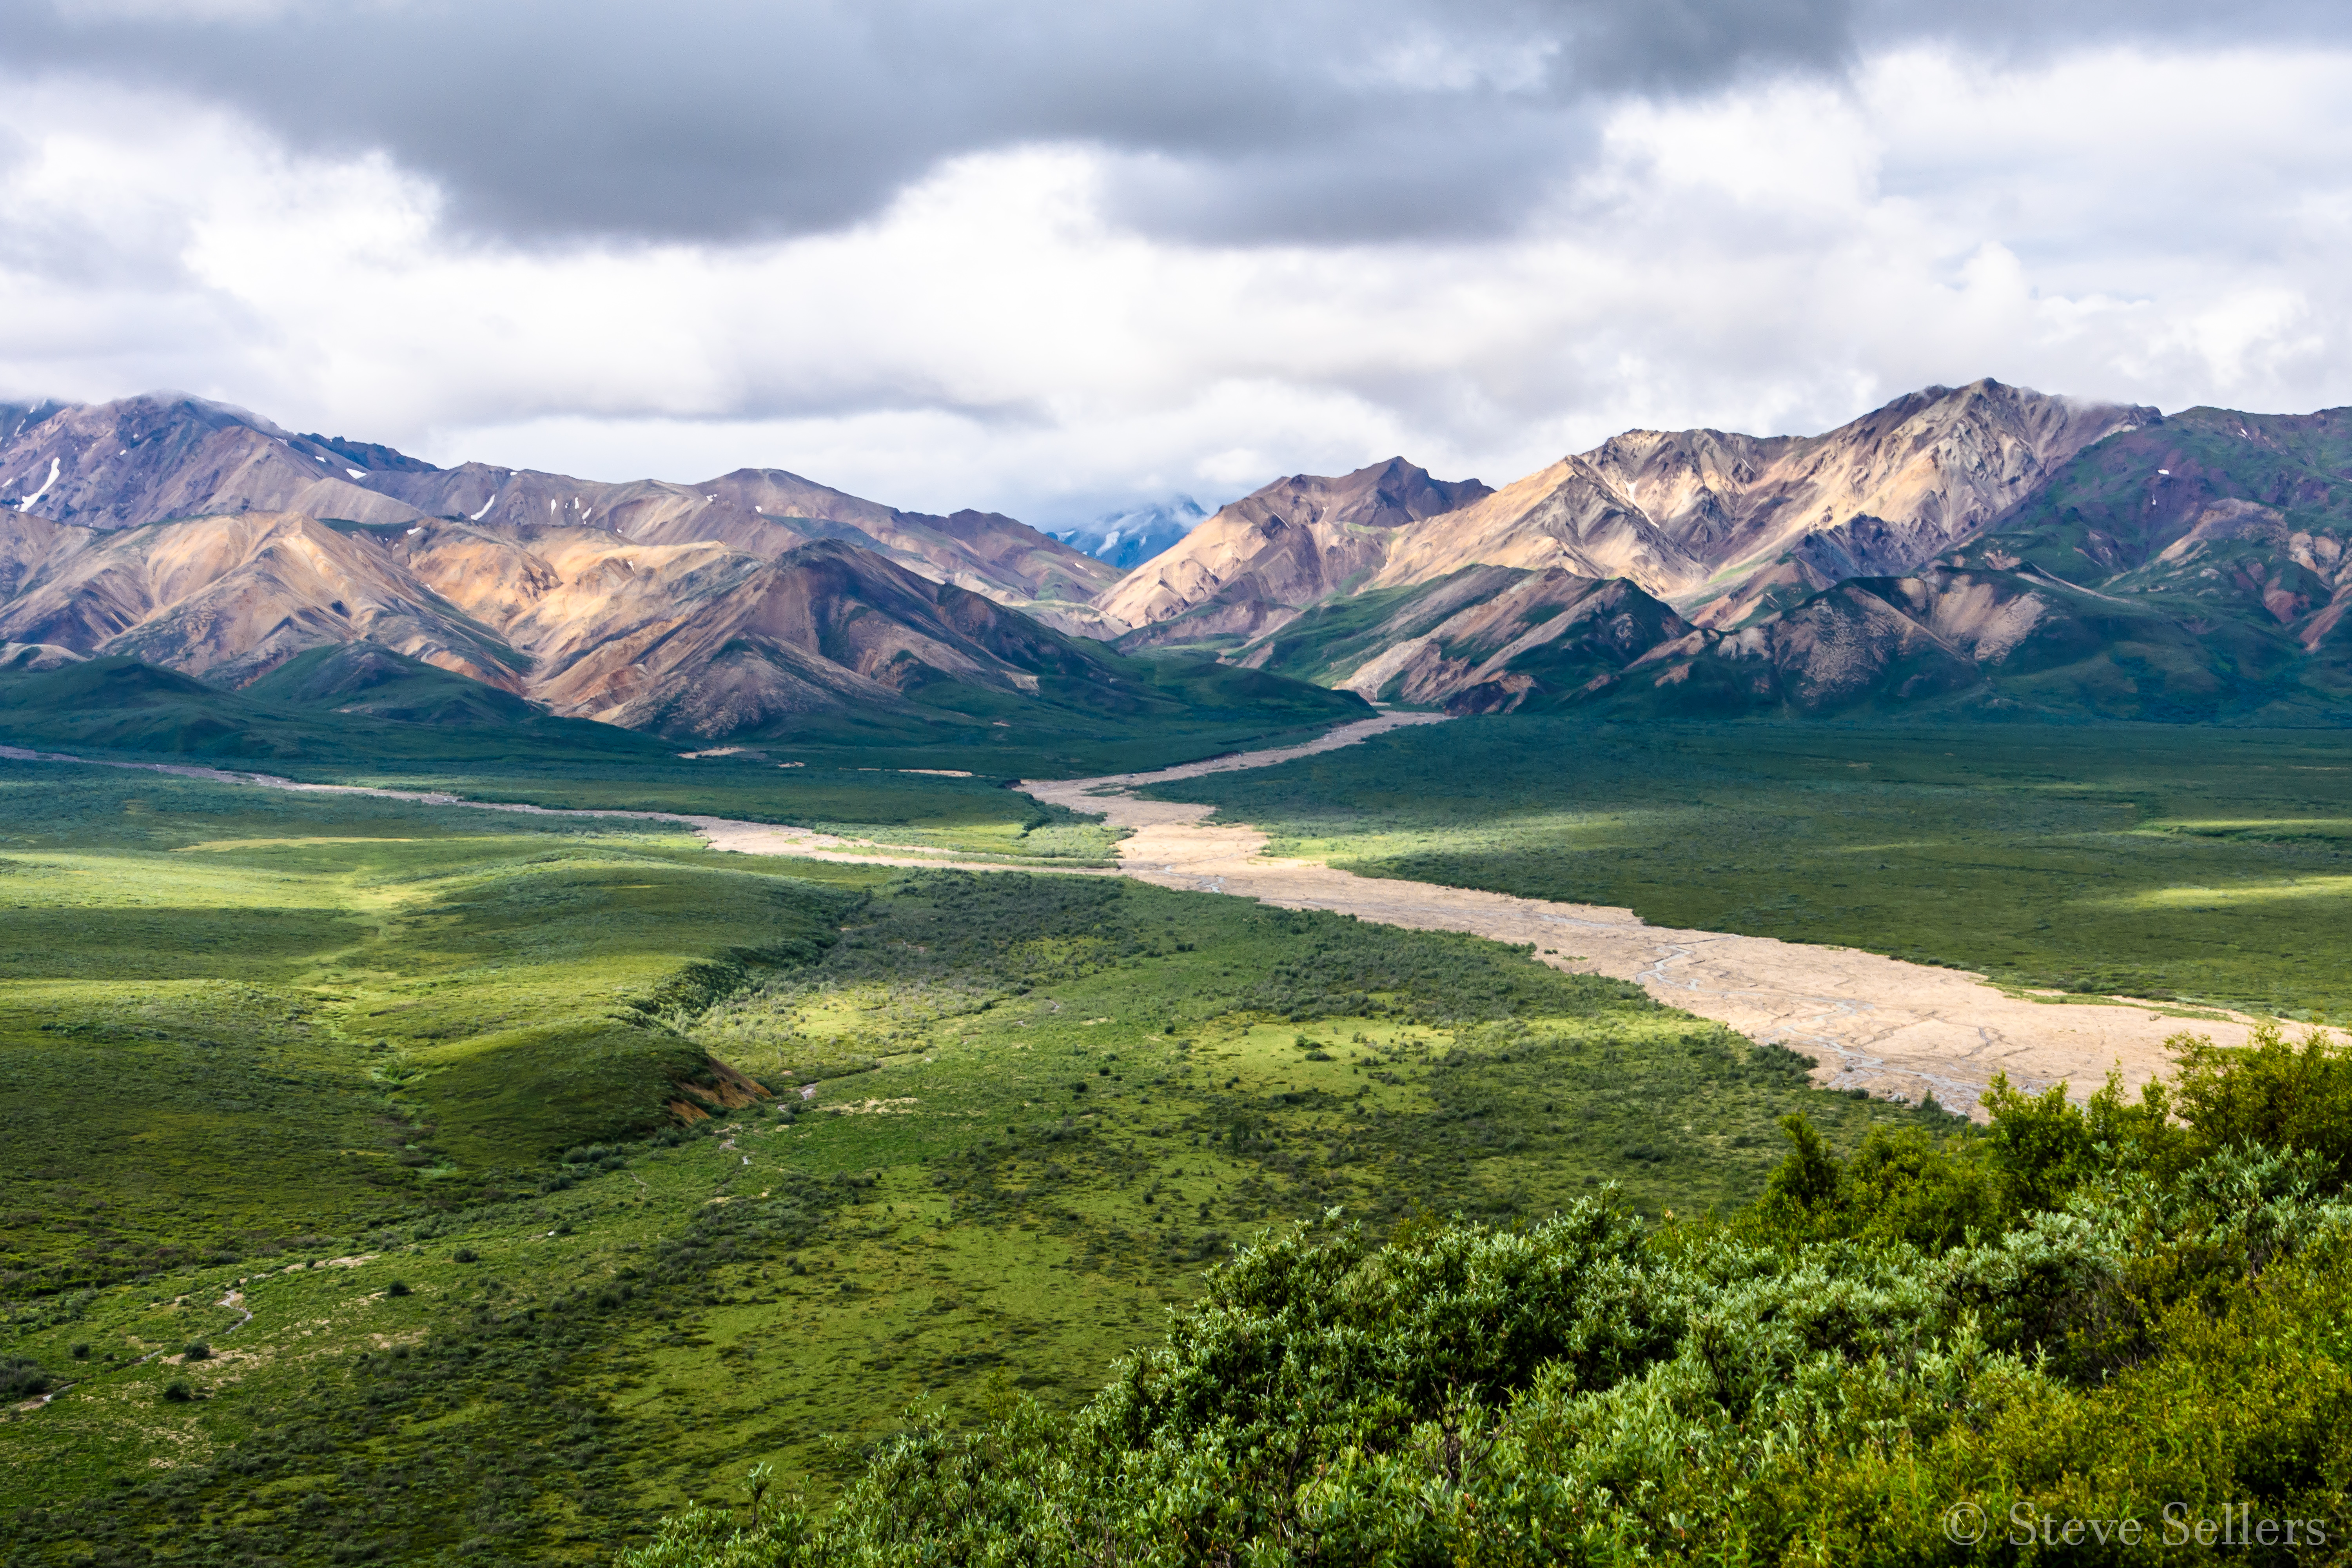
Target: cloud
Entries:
(1242, 269)
(728, 120)
(740, 119)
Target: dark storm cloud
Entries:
(2009, 28)
(1310, 120)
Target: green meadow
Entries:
(948, 812)
(384, 1182)
(2207, 866)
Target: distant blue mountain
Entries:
(1129, 539)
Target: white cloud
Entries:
(2113, 222)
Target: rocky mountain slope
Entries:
(1299, 540)
(1979, 547)
(148, 459)
(1688, 516)
(230, 598)
(697, 639)
(204, 540)
(2193, 568)
(1984, 547)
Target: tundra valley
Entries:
(1711, 1003)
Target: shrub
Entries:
(2067, 1314)
(197, 1351)
(178, 1391)
(22, 1379)
(465, 1255)
(397, 1288)
(2271, 1093)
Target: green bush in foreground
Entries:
(2096, 1313)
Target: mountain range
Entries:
(1983, 549)
(1980, 549)
(208, 541)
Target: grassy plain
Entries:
(942, 790)
(2198, 863)
(395, 1080)
(955, 813)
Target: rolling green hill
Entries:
(354, 706)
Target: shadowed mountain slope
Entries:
(336, 706)
(470, 624)
(363, 678)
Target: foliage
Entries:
(1904, 1184)
(232, 1019)
(1586, 1389)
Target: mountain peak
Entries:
(1127, 538)
(1282, 546)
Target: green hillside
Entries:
(332, 712)
(2120, 504)
(321, 706)
(2112, 1333)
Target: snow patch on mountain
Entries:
(1129, 539)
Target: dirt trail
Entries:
(233, 1300)
(1871, 1023)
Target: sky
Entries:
(1055, 258)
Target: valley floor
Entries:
(1890, 1028)
(1872, 1023)
(425, 1090)
(379, 1067)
